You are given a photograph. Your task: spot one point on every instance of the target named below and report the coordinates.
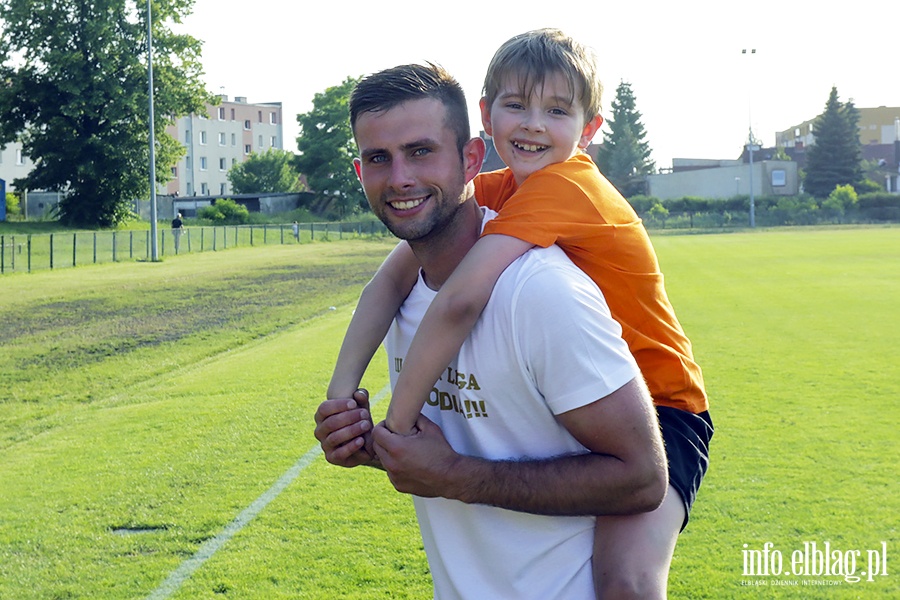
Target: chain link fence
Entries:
(32, 252)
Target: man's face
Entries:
(410, 167)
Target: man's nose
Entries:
(401, 175)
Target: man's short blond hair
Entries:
(533, 56)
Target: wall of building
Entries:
(771, 177)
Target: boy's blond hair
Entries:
(534, 55)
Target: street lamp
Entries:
(750, 147)
(154, 249)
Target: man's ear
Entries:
(357, 164)
(473, 156)
(589, 131)
(485, 115)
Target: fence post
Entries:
(95, 247)
(251, 235)
(29, 253)
(188, 232)
(51, 251)
(3, 254)
(114, 247)
(13, 248)
(131, 244)
(202, 230)
(74, 248)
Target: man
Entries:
(542, 422)
(177, 230)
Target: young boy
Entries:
(541, 106)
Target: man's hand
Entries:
(422, 463)
(344, 429)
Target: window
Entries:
(221, 164)
(274, 141)
(260, 142)
(174, 171)
(189, 189)
(202, 138)
(272, 118)
(222, 190)
(188, 163)
(247, 149)
(222, 139)
(187, 136)
(221, 113)
(260, 116)
(202, 163)
(204, 189)
(247, 124)
(779, 178)
(20, 158)
(232, 114)
(233, 161)
(233, 140)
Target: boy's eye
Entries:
(558, 111)
(515, 105)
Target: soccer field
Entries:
(156, 425)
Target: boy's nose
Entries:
(533, 121)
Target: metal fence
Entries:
(31, 252)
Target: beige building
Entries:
(223, 136)
(876, 126)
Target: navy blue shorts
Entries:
(686, 437)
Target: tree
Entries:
(836, 157)
(75, 95)
(327, 148)
(625, 155)
(272, 171)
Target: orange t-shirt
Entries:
(572, 204)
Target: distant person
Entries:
(177, 230)
(541, 106)
(296, 229)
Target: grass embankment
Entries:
(147, 405)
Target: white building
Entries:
(223, 136)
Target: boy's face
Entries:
(539, 130)
(411, 169)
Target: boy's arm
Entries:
(447, 323)
(378, 303)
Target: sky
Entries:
(698, 94)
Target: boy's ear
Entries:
(357, 164)
(473, 156)
(485, 115)
(589, 131)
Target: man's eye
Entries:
(378, 159)
(421, 151)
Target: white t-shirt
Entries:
(545, 344)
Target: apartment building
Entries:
(225, 135)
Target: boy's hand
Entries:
(344, 429)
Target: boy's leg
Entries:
(632, 553)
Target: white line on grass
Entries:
(210, 547)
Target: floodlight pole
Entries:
(154, 248)
(750, 144)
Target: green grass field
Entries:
(156, 423)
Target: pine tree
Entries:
(624, 157)
(836, 157)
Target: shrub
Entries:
(12, 204)
(226, 212)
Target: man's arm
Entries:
(624, 473)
